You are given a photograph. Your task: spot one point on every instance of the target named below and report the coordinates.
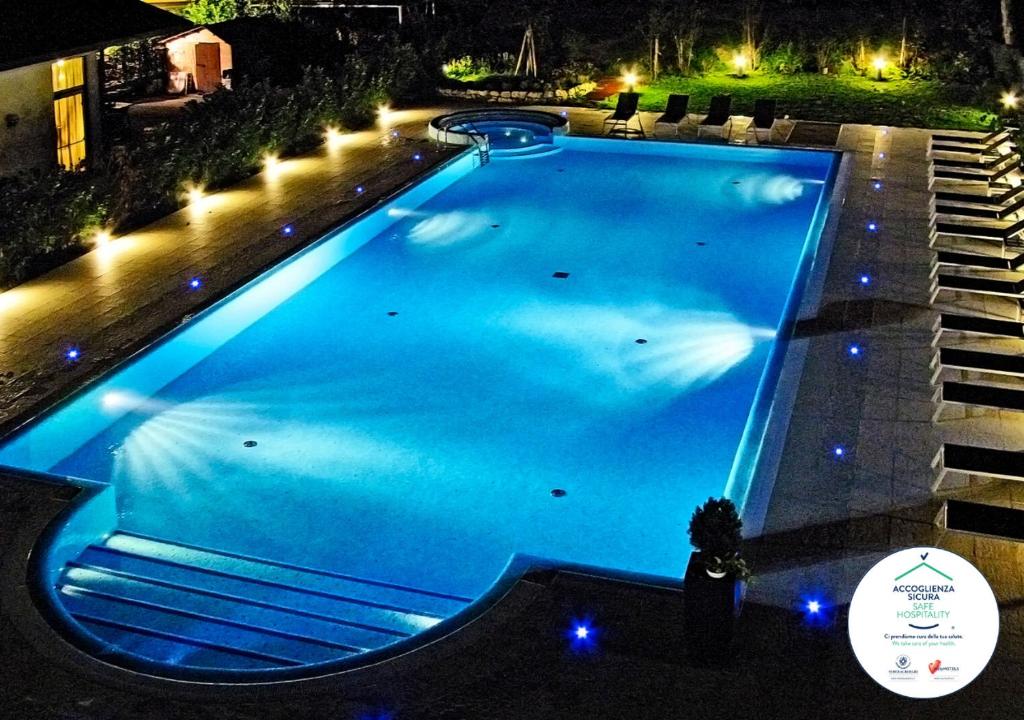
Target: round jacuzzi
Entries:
(507, 132)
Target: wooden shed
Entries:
(197, 60)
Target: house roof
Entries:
(35, 31)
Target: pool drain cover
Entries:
(560, 275)
(392, 313)
(558, 492)
(641, 341)
(249, 443)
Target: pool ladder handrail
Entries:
(479, 139)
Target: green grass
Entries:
(829, 98)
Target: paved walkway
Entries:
(110, 300)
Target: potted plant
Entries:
(716, 533)
(714, 582)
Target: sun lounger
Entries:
(618, 121)
(969, 460)
(764, 121)
(1001, 198)
(1009, 164)
(987, 162)
(977, 361)
(1002, 233)
(975, 325)
(675, 112)
(977, 285)
(994, 212)
(976, 260)
(983, 139)
(982, 519)
(972, 394)
(718, 117)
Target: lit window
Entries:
(69, 111)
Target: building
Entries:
(197, 59)
(51, 75)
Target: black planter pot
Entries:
(711, 608)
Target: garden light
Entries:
(383, 110)
(629, 79)
(195, 194)
(333, 137)
(1009, 100)
(879, 64)
(271, 164)
(102, 238)
(740, 61)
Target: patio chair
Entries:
(1003, 198)
(976, 361)
(979, 286)
(625, 110)
(975, 325)
(995, 397)
(970, 460)
(675, 112)
(977, 260)
(994, 212)
(718, 117)
(764, 120)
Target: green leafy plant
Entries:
(204, 12)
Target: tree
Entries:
(206, 12)
(1006, 10)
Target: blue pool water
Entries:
(418, 385)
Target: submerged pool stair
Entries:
(197, 607)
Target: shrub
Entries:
(466, 68)
(785, 59)
(715, 528)
(44, 219)
(204, 12)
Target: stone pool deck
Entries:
(827, 519)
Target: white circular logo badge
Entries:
(923, 622)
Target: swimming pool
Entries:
(555, 357)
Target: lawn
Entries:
(846, 98)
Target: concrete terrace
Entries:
(827, 521)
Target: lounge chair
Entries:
(973, 149)
(764, 121)
(718, 117)
(987, 162)
(977, 361)
(1003, 233)
(981, 519)
(975, 325)
(972, 394)
(977, 260)
(996, 136)
(978, 285)
(1012, 162)
(994, 212)
(625, 110)
(675, 113)
(1003, 198)
(968, 460)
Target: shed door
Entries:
(207, 67)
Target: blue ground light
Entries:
(287, 230)
(583, 636)
(72, 354)
(839, 452)
(421, 450)
(195, 283)
(855, 350)
(815, 610)
(864, 279)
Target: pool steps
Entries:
(198, 607)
